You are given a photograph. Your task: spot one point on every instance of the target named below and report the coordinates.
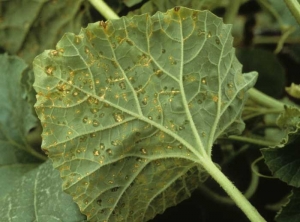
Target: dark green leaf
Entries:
(37, 196)
(16, 120)
(290, 212)
(284, 163)
(269, 68)
(16, 113)
(41, 25)
(129, 106)
(289, 122)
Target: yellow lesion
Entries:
(62, 87)
(215, 98)
(49, 70)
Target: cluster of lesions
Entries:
(57, 52)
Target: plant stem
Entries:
(252, 140)
(264, 99)
(240, 200)
(231, 11)
(104, 9)
(226, 200)
(294, 7)
(34, 153)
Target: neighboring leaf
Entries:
(284, 163)
(290, 212)
(129, 106)
(16, 114)
(152, 6)
(289, 122)
(273, 73)
(16, 120)
(11, 173)
(38, 197)
(41, 25)
(284, 160)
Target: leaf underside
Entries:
(129, 106)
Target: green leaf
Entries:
(290, 212)
(37, 196)
(284, 163)
(273, 73)
(284, 160)
(16, 114)
(289, 122)
(41, 25)
(129, 106)
(11, 173)
(16, 120)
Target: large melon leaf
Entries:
(128, 106)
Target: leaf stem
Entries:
(240, 200)
(294, 7)
(232, 11)
(34, 153)
(226, 200)
(264, 99)
(104, 9)
(252, 140)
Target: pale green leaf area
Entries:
(41, 25)
(130, 107)
(38, 196)
(152, 6)
(290, 212)
(16, 115)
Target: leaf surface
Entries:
(16, 114)
(290, 212)
(38, 197)
(284, 163)
(129, 106)
(16, 120)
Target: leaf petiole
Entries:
(240, 200)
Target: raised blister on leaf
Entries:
(151, 98)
